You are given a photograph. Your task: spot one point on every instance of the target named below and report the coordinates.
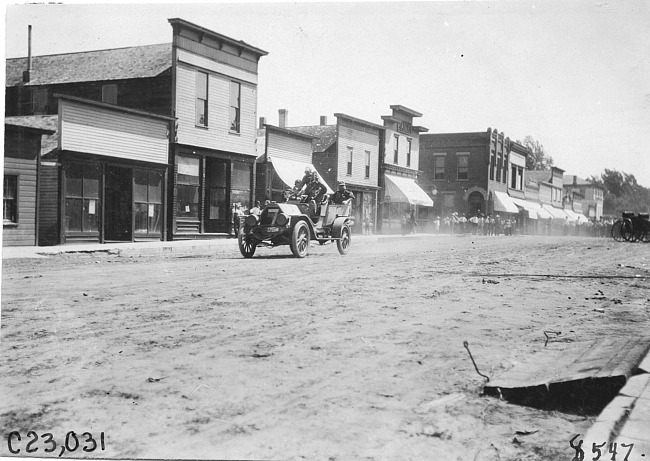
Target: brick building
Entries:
(473, 172)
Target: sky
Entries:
(574, 75)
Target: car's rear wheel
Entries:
(343, 244)
(246, 244)
(300, 240)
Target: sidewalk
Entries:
(171, 247)
(626, 420)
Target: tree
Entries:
(538, 160)
(622, 193)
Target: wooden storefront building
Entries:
(22, 156)
(199, 93)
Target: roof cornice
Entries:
(218, 36)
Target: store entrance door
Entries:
(118, 205)
(216, 196)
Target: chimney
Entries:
(262, 122)
(323, 120)
(283, 117)
(28, 72)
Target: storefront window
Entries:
(10, 199)
(148, 201)
(241, 183)
(81, 198)
(187, 187)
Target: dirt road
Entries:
(329, 357)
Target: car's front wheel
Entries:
(246, 244)
(343, 244)
(300, 240)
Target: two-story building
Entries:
(472, 173)
(548, 187)
(154, 142)
(591, 196)
(399, 170)
(349, 152)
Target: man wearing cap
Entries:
(341, 195)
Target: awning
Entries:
(573, 216)
(530, 207)
(543, 214)
(290, 171)
(503, 203)
(405, 190)
(557, 213)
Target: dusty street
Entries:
(328, 357)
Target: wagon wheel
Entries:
(617, 231)
(300, 240)
(344, 243)
(645, 235)
(628, 232)
(246, 244)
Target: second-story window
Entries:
(235, 100)
(493, 163)
(520, 178)
(513, 177)
(498, 167)
(350, 154)
(408, 152)
(109, 94)
(367, 164)
(505, 170)
(439, 167)
(201, 99)
(463, 166)
(396, 154)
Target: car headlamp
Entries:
(282, 219)
(250, 220)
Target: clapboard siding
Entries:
(23, 232)
(289, 147)
(403, 149)
(360, 141)
(217, 134)
(110, 133)
(48, 222)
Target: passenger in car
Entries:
(341, 195)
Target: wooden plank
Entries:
(594, 359)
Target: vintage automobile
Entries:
(296, 224)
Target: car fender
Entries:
(338, 224)
(310, 225)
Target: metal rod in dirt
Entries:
(466, 344)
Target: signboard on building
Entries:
(404, 127)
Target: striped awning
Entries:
(503, 203)
(401, 189)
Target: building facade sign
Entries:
(404, 127)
